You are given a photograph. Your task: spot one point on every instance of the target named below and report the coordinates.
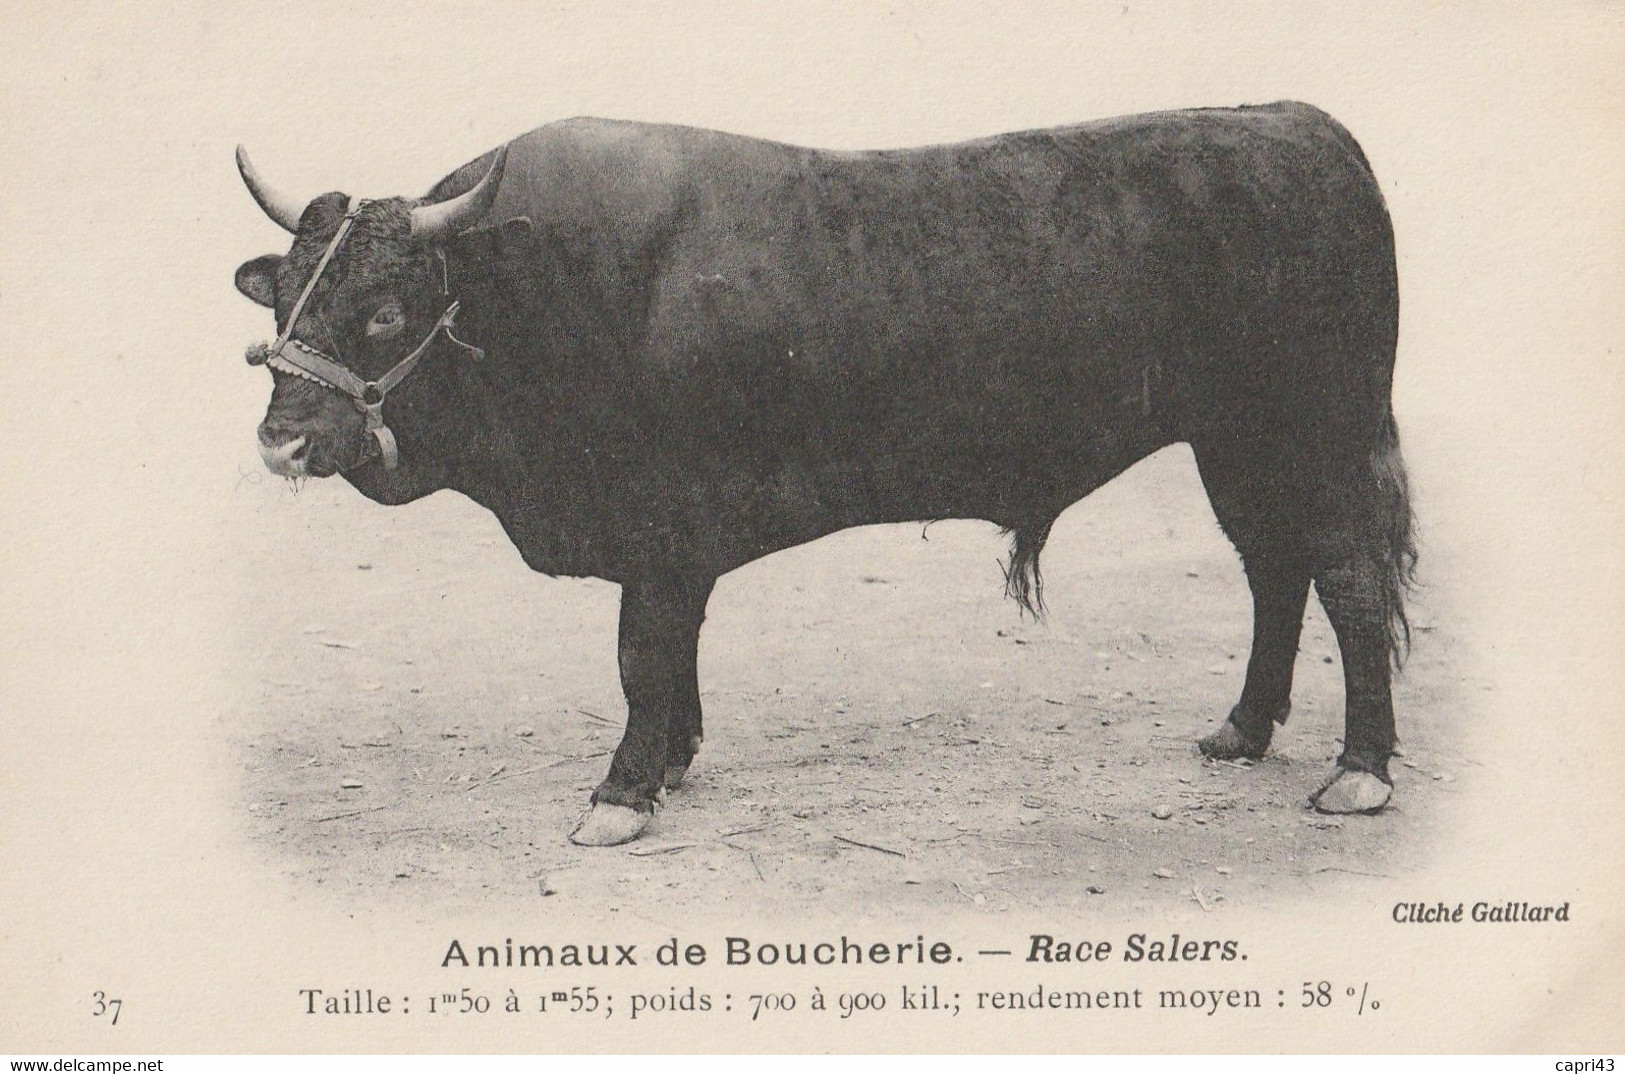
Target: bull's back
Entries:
(1071, 287)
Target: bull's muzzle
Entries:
(285, 459)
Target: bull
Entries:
(657, 353)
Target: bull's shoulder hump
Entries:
(581, 140)
(586, 170)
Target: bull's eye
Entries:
(387, 321)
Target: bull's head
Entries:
(376, 295)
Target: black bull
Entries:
(702, 349)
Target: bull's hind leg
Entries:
(1354, 596)
(1280, 592)
(1368, 559)
(1254, 505)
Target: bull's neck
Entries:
(536, 431)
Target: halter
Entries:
(289, 355)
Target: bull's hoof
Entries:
(1351, 791)
(1229, 743)
(675, 774)
(609, 825)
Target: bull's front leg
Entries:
(659, 647)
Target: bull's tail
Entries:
(1399, 538)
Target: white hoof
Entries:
(608, 825)
(1352, 791)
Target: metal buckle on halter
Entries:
(374, 412)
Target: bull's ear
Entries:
(257, 279)
(495, 239)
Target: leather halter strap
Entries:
(351, 210)
(290, 355)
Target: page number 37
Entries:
(105, 1006)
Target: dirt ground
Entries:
(423, 719)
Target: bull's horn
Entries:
(444, 220)
(279, 207)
